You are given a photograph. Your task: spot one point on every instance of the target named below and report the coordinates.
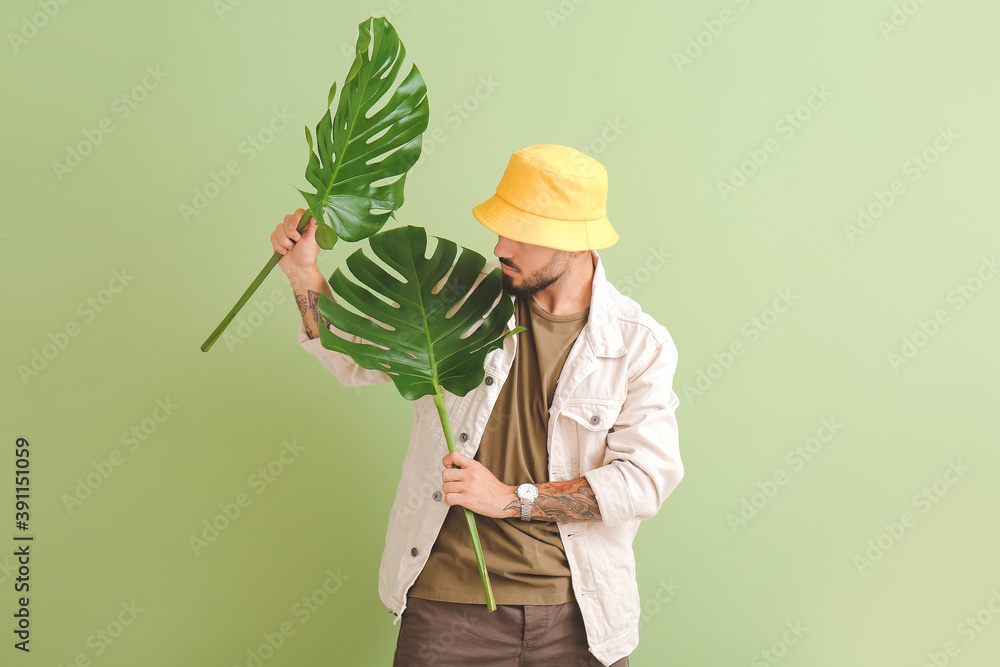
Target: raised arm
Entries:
(299, 265)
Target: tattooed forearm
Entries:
(307, 287)
(573, 500)
(309, 309)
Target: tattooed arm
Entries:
(560, 501)
(468, 483)
(307, 299)
(299, 264)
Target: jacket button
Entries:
(595, 420)
(414, 552)
(437, 495)
(464, 437)
(489, 381)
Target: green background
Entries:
(605, 77)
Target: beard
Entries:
(539, 280)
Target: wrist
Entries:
(306, 278)
(510, 504)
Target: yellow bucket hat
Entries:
(552, 196)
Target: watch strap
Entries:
(526, 505)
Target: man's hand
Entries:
(471, 485)
(300, 250)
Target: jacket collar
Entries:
(602, 323)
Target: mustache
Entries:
(507, 262)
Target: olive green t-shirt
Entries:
(525, 559)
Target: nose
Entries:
(503, 248)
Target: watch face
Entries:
(527, 491)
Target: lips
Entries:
(509, 271)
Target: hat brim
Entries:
(500, 217)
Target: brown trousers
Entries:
(450, 634)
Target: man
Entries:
(569, 442)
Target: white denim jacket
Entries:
(612, 421)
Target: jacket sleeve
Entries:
(642, 463)
(347, 371)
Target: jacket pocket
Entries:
(586, 423)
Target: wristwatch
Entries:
(527, 493)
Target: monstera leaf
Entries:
(364, 152)
(412, 333)
(424, 350)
